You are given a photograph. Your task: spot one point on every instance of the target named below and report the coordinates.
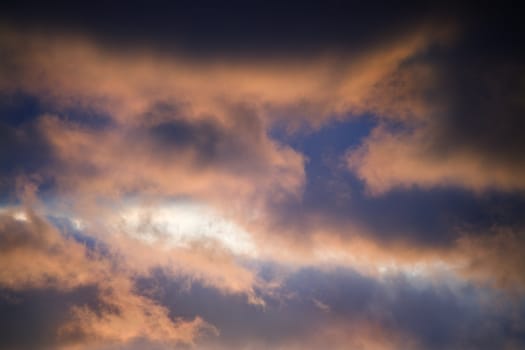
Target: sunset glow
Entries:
(258, 175)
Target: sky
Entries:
(258, 175)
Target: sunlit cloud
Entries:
(389, 160)
(182, 223)
(232, 189)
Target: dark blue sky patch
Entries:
(335, 137)
(70, 230)
(24, 151)
(325, 149)
(19, 108)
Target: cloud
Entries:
(125, 136)
(483, 257)
(168, 131)
(468, 133)
(36, 256)
(364, 312)
(126, 316)
(233, 30)
(388, 160)
(495, 259)
(211, 159)
(369, 309)
(127, 86)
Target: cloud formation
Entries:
(468, 134)
(35, 255)
(388, 160)
(356, 182)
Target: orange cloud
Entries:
(36, 255)
(486, 258)
(125, 317)
(210, 263)
(113, 163)
(75, 72)
(497, 259)
(337, 335)
(388, 160)
(237, 100)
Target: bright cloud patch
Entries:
(181, 223)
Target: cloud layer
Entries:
(356, 182)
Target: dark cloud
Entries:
(479, 87)
(31, 319)
(435, 316)
(427, 218)
(471, 132)
(336, 199)
(486, 106)
(207, 28)
(234, 146)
